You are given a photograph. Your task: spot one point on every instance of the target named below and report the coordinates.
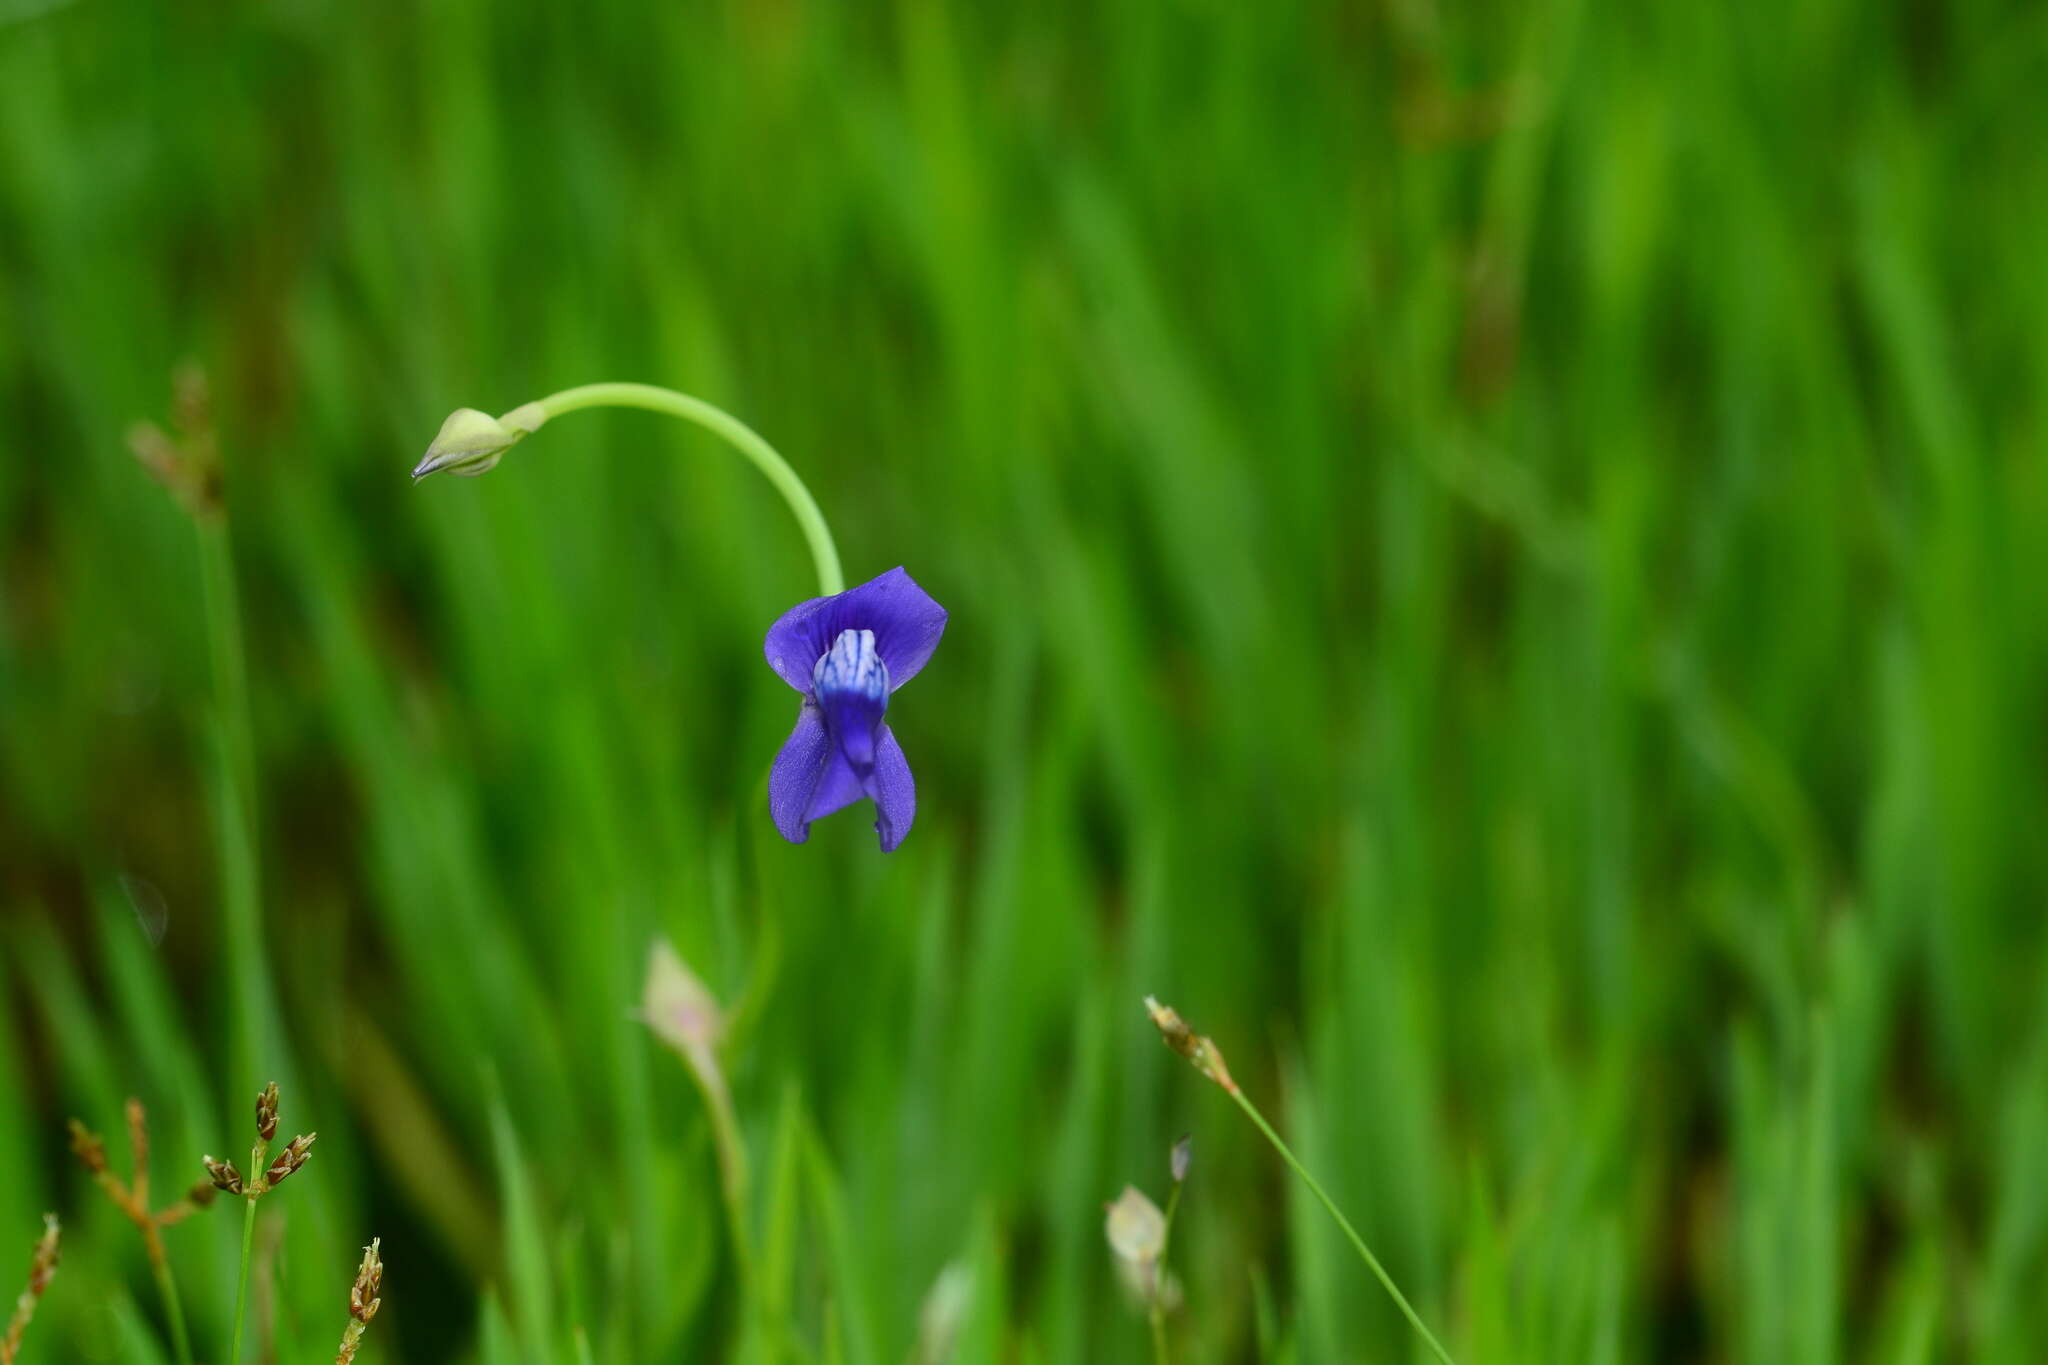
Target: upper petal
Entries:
(895, 794)
(906, 621)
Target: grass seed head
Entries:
(1206, 1056)
(91, 1151)
(289, 1160)
(266, 1112)
(223, 1175)
(138, 1138)
(363, 1300)
(42, 1267)
(186, 464)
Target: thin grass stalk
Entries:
(242, 1280)
(174, 1311)
(1207, 1058)
(1158, 1311)
(1358, 1243)
(235, 803)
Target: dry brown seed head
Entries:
(43, 1266)
(156, 452)
(224, 1175)
(138, 1135)
(191, 400)
(1207, 1057)
(1172, 1028)
(266, 1112)
(187, 463)
(363, 1300)
(91, 1151)
(290, 1159)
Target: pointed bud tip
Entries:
(679, 1007)
(472, 442)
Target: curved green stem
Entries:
(738, 434)
(1365, 1252)
(242, 1290)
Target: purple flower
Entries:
(845, 654)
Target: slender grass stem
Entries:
(242, 1283)
(235, 804)
(1365, 1253)
(732, 1187)
(174, 1312)
(740, 436)
(1159, 1356)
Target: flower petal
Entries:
(837, 789)
(811, 778)
(894, 792)
(799, 770)
(906, 621)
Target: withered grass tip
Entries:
(42, 1268)
(364, 1299)
(1206, 1056)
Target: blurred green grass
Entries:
(1494, 558)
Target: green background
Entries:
(1495, 559)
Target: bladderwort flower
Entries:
(845, 654)
(845, 651)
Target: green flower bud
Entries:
(1136, 1228)
(683, 1013)
(472, 442)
